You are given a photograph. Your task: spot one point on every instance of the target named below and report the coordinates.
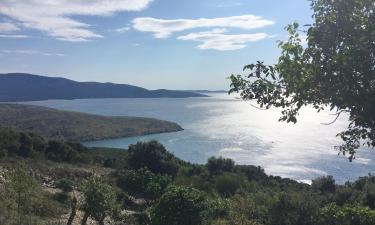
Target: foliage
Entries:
(324, 184)
(153, 156)
(180, 206)
(217, 207)
(99, 199)
(199, 194)
(22, 201)
(242, 211)
(143, 183)
(65, 184)
(347, 215)
(109, 157)
(335, 70)
(228, 183)
(255, 173)
(32, 146)
(219, 165)
(293, 208)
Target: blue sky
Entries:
(154, 44)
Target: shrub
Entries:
(99, 199)
(217, 207)
(143, 182)
(65, 184)
(347, 215)
(153, 156)
(62, 197)
(252, 172)
(324, 184)
(29, 145)
(180, 206)
(22, 199)
(219, 165)
(369, 195)
(228, 183)
(293, 208)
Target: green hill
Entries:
(73, 126)
(51, 182)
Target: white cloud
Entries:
(218, 40)
(53, 16)
(16, 36)
(164, 28)
(30, 52)
(122, 29)
(8, 28)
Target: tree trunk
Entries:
(84, 219)
(73, 212)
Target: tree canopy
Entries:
(152, 155)
(335, 69)
(180, 206)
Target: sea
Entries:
(224, 125)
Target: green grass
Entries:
(74, 126)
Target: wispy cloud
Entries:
(218, 40)
(8, 28)
(54, 16)
(163, 28)
(30, 52)
(16, 36)
(122, 29)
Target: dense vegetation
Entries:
(73, 126)
(336, 70)
(16, 87)
(51, 182)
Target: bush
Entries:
(32, 146)
(153, 156)
(348, 215)
(65, 184)
(228, 183)
(143, 182)
(217, 207)
(219, 165)
(62, 197)
(368, 198)
(99, 199)
(255, 173)
(22, 199)
(324, 184)
(180, 206)
(293, 208)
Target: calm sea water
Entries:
(224, 126)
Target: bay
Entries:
(223, 125)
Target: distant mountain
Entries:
(28, 87)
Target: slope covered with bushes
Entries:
(74, 126)
(148, 185)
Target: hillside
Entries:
(27, 87)
(50, 182)
(75, 126)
